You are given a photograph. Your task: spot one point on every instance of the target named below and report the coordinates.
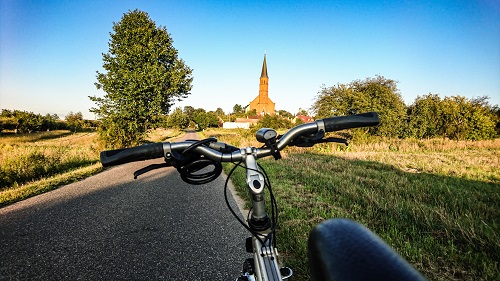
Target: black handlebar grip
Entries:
(126, 155)
(338, 123)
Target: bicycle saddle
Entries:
(341, 249)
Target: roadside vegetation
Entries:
(34, 163)
(436, 201)
(29, 158)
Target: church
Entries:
(262, 103)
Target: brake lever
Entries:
(337, 140)
(149, 169)
(308, 142)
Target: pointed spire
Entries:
(264, 68)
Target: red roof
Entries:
(305, 119)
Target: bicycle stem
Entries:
(259, 220)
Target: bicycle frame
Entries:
(266, 261)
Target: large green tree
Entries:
(372, 94)
(189, 111)
(143, 78)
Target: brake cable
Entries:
(189, 164)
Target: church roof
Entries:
(264, 68)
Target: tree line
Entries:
(21, 122)
(189, 117)
(429, 116)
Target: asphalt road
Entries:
(112, 227)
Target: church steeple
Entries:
(264, 80)
(262, 103)
(264, 68)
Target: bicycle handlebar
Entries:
(218, 151)
(126, 155)
(351, 121)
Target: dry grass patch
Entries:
(26, 161)
(160, 134)
(34, 163)
(479, 160)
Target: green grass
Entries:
(443, 221)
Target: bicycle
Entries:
(199, 162)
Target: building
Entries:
(305, 119)
(243, 123)
(262, 103)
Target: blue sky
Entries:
(50, 50)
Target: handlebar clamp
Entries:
(167, 153)
(321, 126)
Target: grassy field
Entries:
(437, 202)
(35, 163)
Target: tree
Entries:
(252, 112)
(382, 95)
(425, 117)
(454, 117)
(75, 121)
(220, 112)
(284, 113)
(189, 111)
(142, 79)
(7, 120)
(372, 94)
(302, 112)
(23, 121)
(274, 121)
(200, 118)
(212, 119)
(178, 119)
(237, 109)
(495, 111)
(204, 119)
(483, 119)
(27, 121)
(467, 119)
(50, 122)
